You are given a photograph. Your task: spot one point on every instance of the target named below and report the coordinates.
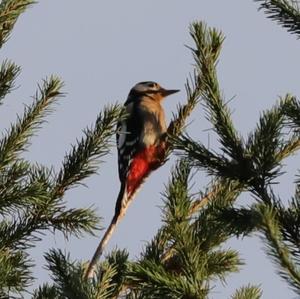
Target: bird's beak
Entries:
(167, 92)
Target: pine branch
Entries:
(15, 191)
(30, 207)
(208, 223)
(16, 139)
(270, 144)
(266, 146)
(214, 164)
(8, 73)
(220, 196)
(184, 247)
(10, 11)
(291, 109)
(288, 148)
(68, 278)
(220, 263)
(153, 281)
(210, 41)
(177, 202)
(23, 186)
(260, 160)
(15, 275)
(289, 219)
(239, 221)
(248, 292)
(22, 231)
(285, 12)
(18, 233)
(193, 90)
(208, 44)
(277, 249)
(75, 221)
(201, 157)
(82, 160)
(47, 292)
(118, 259)
(177, 208)
(228, 190)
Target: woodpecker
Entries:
(140, 137)
(140, 149)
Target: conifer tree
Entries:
(285, 12)
(185, 258)
(32, 195)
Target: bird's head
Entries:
(152, 90)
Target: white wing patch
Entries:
(122, 135)
(127, 141)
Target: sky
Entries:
(101, 49)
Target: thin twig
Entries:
(198, 204)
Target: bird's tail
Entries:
(122, 200)
(120, 210)
(91, 267)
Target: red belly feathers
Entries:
(141, 165)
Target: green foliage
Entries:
(278, 249)
(252, 164)
(285, 12)
(209, 43)
(185, 256)
(15, 271)
(69, 279)
(82, 161)
(292, 111)
(248, 292)
(16, 138)
(31, 195)
(188, 254)
(8, 73)
(47, 292)
(10, 11)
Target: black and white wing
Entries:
(128, 139)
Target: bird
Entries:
(140, 137)
(141, 148)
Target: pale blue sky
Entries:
(101, 49)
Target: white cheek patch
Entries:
(139, 87)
